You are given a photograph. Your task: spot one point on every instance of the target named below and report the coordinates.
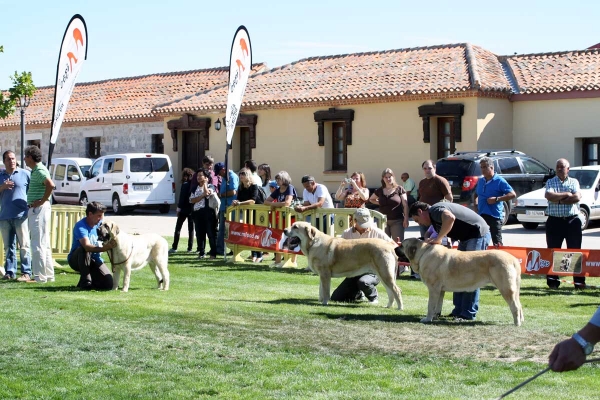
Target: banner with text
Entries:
(73, 52)
(240, 65)
(261, 237)
(565, 262)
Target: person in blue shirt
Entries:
(84, 256)
(227, 193)
(492, 192)
(14, 184)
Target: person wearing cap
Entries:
(315, 196)
(227, 193)
(357, 287)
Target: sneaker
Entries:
(213, 257)
(403, 269)
(202, 256)
(190, 250)
(171, 251)
(374, 301)
(276, 264)
(258, 260)
(8, 277)
(24, 278)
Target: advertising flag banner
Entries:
(73, 52)
(561, 262)
(260, 237)
(240, 65)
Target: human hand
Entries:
(235, 202)
(405, 223)
(299, 208)
(491, 200)
(8, 185)
(566, 356)
(437, 240)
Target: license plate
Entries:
(142, 187)
(534, 212)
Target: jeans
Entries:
(557, 231)
(466, 304)
(13, 230)
(42, 266)
(351, 288)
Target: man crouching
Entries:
(84, 256)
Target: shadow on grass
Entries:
(402, 318)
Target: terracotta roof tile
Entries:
(556, 72)
(123, 98)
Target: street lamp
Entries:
(218, 124)
(23, 104)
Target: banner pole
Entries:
(225, 200)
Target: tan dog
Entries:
(448, 270)
(134, 252)
(336, 257)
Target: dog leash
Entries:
(520, 385)
(122, 262)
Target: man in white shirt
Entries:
(251, 165)
(357, 287)
(315, 196)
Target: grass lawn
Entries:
(247, 331)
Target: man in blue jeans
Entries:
(227, 194)
(462, 224)
(14, 183)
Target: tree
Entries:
(22, 85)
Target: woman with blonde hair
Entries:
(353, 191)
(393, 203)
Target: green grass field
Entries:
(246, 331)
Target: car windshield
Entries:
(147, 164)
(458, 167)
(85, 168)
(586, 177)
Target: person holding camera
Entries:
(353, 191)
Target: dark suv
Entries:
(524, 173)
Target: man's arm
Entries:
(90, 248)
(568, 354)
(447, 223)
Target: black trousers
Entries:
(558, 230)
(90, 271)
(351, 288)
(206, 225)
(495, 225)
(179, 224)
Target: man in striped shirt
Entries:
(563, 195)
(38, 200)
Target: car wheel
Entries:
(164, 208)
(116, 205)
(83, 200)
(585, 218)
(530, 225)
(506, 208)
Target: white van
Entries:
(67, 175)
(132, 180)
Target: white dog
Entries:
(133, 252)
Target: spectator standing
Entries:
(462, 224)
(38, 199)
(563, 223)
(409, 186)
(208, 163)
(315, 195)
(205, 219)
(184, 211)
(492, 191)
(357, 287)
(282, 197)
(248, 195)
(264, 171)
(433, 188)
(392, 202)
(252, 167)
(84, 256)
(14, 184)
(353, 192)
(570, 354)
(227, 193)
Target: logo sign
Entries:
(73, 52)
(535, 261)
(240, 65)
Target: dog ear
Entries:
(312, 232)
(411, 250)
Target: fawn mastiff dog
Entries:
(336, 257)
(133, 253)
(448, 270)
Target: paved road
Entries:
(143, 221)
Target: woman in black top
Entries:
(247, 195)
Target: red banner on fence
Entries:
(566, 262)
(258, 236)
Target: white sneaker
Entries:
(403, 269)
(374, 301)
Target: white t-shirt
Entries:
(313, 198)
(374, 232)
(256, 180)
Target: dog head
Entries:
(300, 233)
(107, 230)
(410, 248)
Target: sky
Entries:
(132, 37)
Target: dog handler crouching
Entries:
(353, 288)
(84, 256)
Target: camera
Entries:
(348, 180)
